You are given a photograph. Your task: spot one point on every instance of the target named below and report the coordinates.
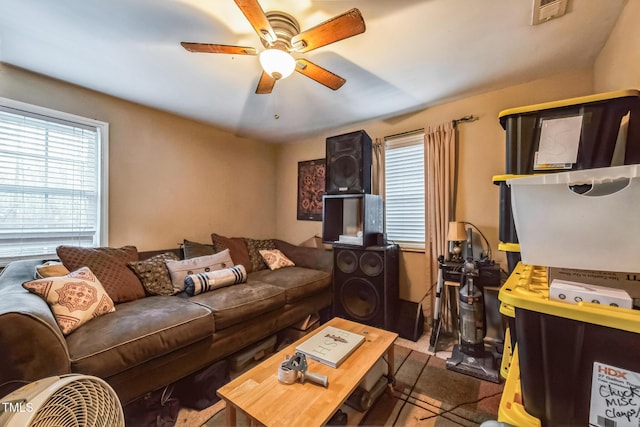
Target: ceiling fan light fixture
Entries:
(277, 63)
(280, 35)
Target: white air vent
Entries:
(545, 10)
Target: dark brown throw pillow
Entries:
(110, 267)
(254, 246)
(195, 249)
(237, 248)
(154, 275)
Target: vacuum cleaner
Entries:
(470, 356)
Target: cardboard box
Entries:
(629, 282)
(574, 292)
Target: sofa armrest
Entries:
(314, 258)
(31, 343)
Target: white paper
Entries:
(615, 397)
(559, 140)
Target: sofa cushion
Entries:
(110, 267)
(254, 246)
(153, 273)
(237, 247)
(136, 333)
(297, 282)
(234, 304)
(75, 298)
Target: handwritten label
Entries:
(615, 397)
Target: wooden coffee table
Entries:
(263, 399)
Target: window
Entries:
(53, 179)
(404, 189)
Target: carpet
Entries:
(425, 394)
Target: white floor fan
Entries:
(64, 401)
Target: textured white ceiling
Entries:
(414, 53)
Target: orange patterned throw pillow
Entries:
(74, 298)
(275, 259)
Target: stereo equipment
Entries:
(348, 163)
(488, 273)
(365, 284)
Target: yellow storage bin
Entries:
(536, 278)
(562, 347)
(509, 247)
(507, 354)
(511, 409)
(601, 127)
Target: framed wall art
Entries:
(311, 176)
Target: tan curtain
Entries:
(440, 179)
(377, 174)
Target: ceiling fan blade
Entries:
(258, 20)
(265, 84)
(218, 48)
(319, 74)
(338, 28)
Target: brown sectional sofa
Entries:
(154, 341)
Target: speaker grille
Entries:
(371, 264)
(349, 163)
(347, 261)
(345, 172)
(360, 298)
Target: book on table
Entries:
(331, 345)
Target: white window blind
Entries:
(52, 181)
(404, 189)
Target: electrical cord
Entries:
(391, 376)
(450, 410)
(406, 400)
(428, 290)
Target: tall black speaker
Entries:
(365, 284)
(348, 163)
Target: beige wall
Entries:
(618, 65)
(169, 178)
(163, 167)
(482, 155)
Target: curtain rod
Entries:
(465, 119)
(410, 132)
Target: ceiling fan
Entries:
(280, 34)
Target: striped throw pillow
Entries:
(195, 284)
